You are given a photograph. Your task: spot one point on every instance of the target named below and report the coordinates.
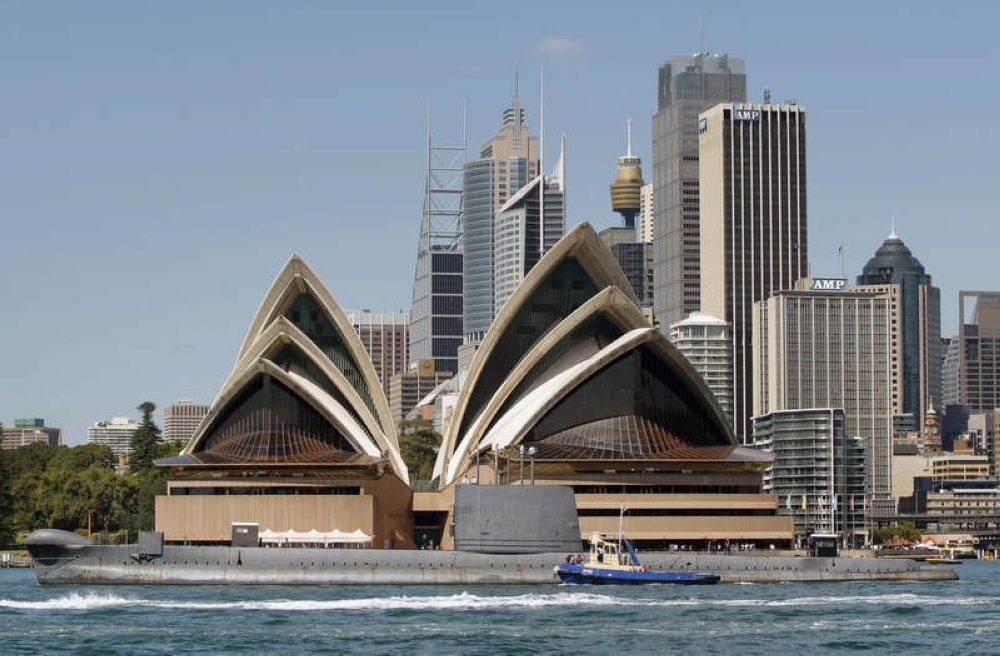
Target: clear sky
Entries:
(159, 162)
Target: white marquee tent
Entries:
(335, 538)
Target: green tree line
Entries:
(78, 489)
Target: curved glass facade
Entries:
(268, 423)
(308, 317)
(290, 358)
(565, 289)
(636, 406)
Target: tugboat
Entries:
(615, 562)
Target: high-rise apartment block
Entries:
(707, 343)
(753, 222)
(687, 87)
(29, 431)
(818, 470)
(895, 271)
(386, 339)
(831, 349)
(506, 163)
(116, 433)
(647, 210)
(181, 420)
(979, 350)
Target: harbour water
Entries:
(947, 617)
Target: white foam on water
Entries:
(468, 601)
(72, 601)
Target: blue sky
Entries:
(159, 162)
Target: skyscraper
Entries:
(753, 221)
(436, 314)
(687, 87)
(831, 349)
(506, 163)
(979, 350)
(893, 265)
(526, 227)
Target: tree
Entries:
(148, 484)
(6, 531)
(145, 439)
(418, 445)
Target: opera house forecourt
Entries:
(300, 436)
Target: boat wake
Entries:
(472, 602)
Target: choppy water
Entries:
(944, 617)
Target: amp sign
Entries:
(746, 115)
(828, 284)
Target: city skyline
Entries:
(160, 166)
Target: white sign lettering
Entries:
(828, 284)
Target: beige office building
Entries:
(753, 222)
(832, 349)
(386, 337)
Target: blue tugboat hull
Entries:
(600, 576)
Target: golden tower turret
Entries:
(626, 190)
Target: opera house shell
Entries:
(572, 373)
(300, 435)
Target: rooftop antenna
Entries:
(541, 121)
(892, 223)
(701, 54)
(767, 95)
(701, 34)
(629, 152)
(516, 105)
(541, 160)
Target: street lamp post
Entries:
(532, 452)
(521, 450)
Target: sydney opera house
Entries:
(571, 386)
